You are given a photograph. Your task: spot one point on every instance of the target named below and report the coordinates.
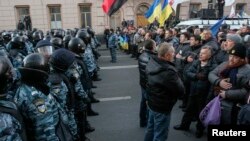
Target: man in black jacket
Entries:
(164, 86)
(143, 61)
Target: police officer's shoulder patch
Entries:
(40, 105)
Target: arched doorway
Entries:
(115, 20)
(141, 20)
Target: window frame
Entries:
(18, 15)
(49, 7)
(80, 6)
(191, 8)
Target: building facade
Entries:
(68, 14)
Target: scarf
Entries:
(231, 72)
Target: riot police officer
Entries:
(45, 48)
(88, 55)
(36, 37)
(66, 40)
(94, 43)
(38, 107)
(61, 87)
(56, 43)
(6, 37)
(77, 46)
(2, 45)
(17, 51)
(11, 124)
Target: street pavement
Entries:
(119, 92)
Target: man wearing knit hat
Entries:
(231, 40)
(230, 77)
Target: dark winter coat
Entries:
(143, 61)
(164, 85)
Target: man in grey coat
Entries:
(229, 79)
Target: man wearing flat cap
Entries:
(231, 40)
(227, 43)
(229, 78)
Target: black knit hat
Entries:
(238, 50)
(62, 59)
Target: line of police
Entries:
(46, 85)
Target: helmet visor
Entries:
(45, 50)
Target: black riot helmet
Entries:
(41, 32)
(35, 61)
(29, 33)
(21, 33)
(35, 72)
(14, 34)
(68, 32)
(66, 40)
(6, 74)
(56, 42)
(62, 59)
(17, 43)
(6, 36)
(58, 34)
(76, 45)
(84, 35)
(37, 36)
(91, 32)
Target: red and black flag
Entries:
(111, 6)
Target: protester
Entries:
(164, 87)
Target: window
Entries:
(194, 9)
(55, 17)
(240, 8)
(85, 11)
(22, 12)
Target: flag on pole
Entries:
(111, 6)
(229, 2)
(215, 28)
(174, 3)
(153, 11)
(166, 12)
(232, 12)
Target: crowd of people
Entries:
(46, 83)
(46, 80)
(192, 66)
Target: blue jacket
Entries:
(112, 42)
(89, 59)
(39, 111)
(10, 127)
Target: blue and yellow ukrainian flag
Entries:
(165, 13)
(154, 11)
